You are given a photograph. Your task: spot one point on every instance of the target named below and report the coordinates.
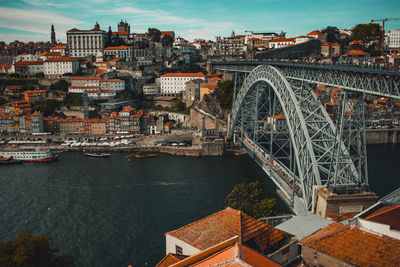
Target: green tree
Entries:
(366, 32)
(30, 251)
(39, 75)
(47, 107)
(224, 92)
(251, 199)
(154, 34)
(332, 34)
(167, 40)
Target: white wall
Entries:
(172, 241)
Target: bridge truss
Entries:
(283, 124)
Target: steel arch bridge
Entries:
(309, 149)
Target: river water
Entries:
(111, 212)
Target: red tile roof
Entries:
(112, 80)
(198, 74)
(120, 33)
(51, 54)
(61, 59)
(58, 48)
(282, 39)
(226, 224)
(121, 47)
(167, 32)
(389, 215)
(26, 63)
(355, 246)
(314, 33)
(170, 259)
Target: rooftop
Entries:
(170, 259)
(355, 246)
(226, 224)
(198, 74)
(61, 59)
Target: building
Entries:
(151, 90)
(228, 253)
(32, 96)
(346, 245)
(5, 59)
(192, 91)
(302, 39)
(46, 55)
(53, 35)
(27, 68)
(207, 88)
(112, 84)
(317, 35)
(174, 83)
(231, 47)
(25, 57)
(85, 81)
(122, 52)
(281, 42)
(393, 39)
(60, 66)
(60, 49)
(330, 49)
(210, 231)
(170, 33)
(83, 43)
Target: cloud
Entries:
(36, 21)
(10, 37)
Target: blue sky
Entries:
(31, 19)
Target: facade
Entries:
(60, 49)
(25, 57)
(192, 91)
(174, 83)
(28, 68)
(4, 59)
(32, 96)
(122, 52)
(330, 49)
(83, 43)
(151, 90)
(207, 88)
(233, 46)
(112, 84)
(85, 81)
(60, 66)
(393, 39)
(281, 42)
(302, 39)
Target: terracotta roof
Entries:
(225, 224)
(26, 63)
(112, 80)
(314, 33)
(330, 44)
(86, 78)
(24, 54)
(282, 39)
(357, 53)
(255, 39)
(121, 47)
(58, 48)
(167, 32)
(61, 59)
(13, 87)
(198, 74)
(170, 259)
(355, 246)
(120, 33)
(108, 91)
(389, 215)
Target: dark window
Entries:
(178, 250)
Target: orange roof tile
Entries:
(51, 54)
(225, 224)
(355, 246)
(120, 33)
(314, 33)
(198, 74)
(170, 259)
(61, 59)
(121, 47)
(26, 63)
(112, 80)
(357, 53)
(58, 48)
(167, 32)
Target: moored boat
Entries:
(29, 155)
(97, 155)
(7, 161)
(142, 156)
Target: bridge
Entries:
(278, 118)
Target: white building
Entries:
(82, 89)
(302, 39)
(174, 83)
(60, 66)
(113, 84)
(25, 57)
(27, 68)
(60, 49)
(281, 42)
(99, 94)
(151, 90)
(82, 43)
(122, 52)
(393, 38)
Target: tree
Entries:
(47, 107)
(39, 75)
(332, 34)
(251, 199)
(61, 85)
(31, 250)
(366, 32)
(224, 92)
(167, 40)
(154, 34)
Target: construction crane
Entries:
(383, 27)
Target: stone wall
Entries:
(196, 118)
(383, 136)
(313, 257)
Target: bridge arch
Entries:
(311, 131)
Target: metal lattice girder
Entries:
(312, 132)
(364, 80)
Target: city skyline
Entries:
(26, 20)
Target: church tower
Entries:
(53, 35)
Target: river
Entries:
(111, 212)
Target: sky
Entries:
(30, 20)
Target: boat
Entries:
(97, 155)
(29, 155)
(142, 156)
(11, 160)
